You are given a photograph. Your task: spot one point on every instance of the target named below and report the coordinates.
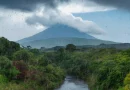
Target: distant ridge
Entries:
(52, 42)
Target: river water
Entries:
(72, 83)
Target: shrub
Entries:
(127, 82)
(3, 79)
(22, 67)
(6, 68)
(23, 55)
(70, 47)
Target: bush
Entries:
(70, 47)
(22, 67)
(3, 79)
(127, 82)
(23, 55)
(14, 86)
(8, 47)
(6, 68)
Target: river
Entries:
(72, 83)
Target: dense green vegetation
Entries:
(32, 69)
(103, 69)
(27, 69)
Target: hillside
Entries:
(52, 42)
(57, 31)
(60, 35)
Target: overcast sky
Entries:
(104, 19)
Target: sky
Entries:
(103, 19)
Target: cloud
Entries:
(50, 17)
(79, 6)
(41, 14)
(14, 27)
(122, 4)
(29, 5)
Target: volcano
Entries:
(60, 35)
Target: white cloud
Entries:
(51, 17)
(79, 6)
(13, 25)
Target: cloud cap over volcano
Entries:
(51, 17)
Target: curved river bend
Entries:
(71, 83)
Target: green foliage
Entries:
(43, 61)
(50, 77)
(23, 55)
(13, 72)
(21, 86)
(127, 79)
(103, 69)
(27, 68)
(22, 67)
(5, 63)
(8, 47)
(35, 51)
(6, 68)
(127, 82)
(121, 88)
(3, 79)
(70, 47)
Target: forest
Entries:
(31, 69)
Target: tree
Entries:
(3, 79)
(4, 45)
(35, 51)
(23, 55)
(5, 65)
(22, 67)
(6, 68)
(29, 47)
(127, 82)
(8, 47)
(70, 47)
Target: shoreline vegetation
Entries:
(32, 69)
